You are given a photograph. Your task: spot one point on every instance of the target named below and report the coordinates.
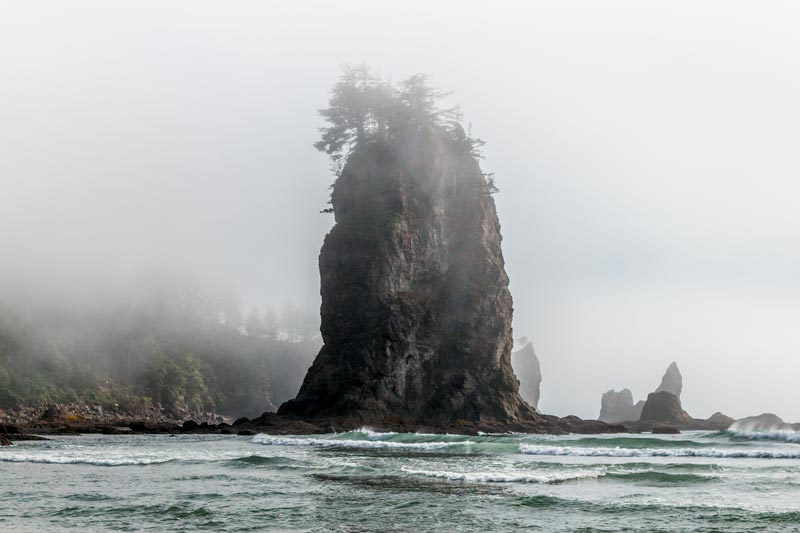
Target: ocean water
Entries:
(367, 481)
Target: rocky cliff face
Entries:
(672, 381)
(416, 311)
(526, 366)
(618, 407)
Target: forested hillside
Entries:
(170, 346)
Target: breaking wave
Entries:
(507, 477)
(83, 460)
(367, 443)
(531, 449)
(777, 434)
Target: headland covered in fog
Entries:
(416, 312)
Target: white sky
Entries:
(646, 152)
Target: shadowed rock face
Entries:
(526, 366)
(416, 311)
(664, 408)
(672, 381)
(618, 407)
(664, 405)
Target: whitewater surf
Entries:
(369, 481)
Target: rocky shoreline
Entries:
(273, 423)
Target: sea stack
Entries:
(664, 405)
(616, 407)
(672, 382)
(416, 311)
(526, 366)
(665, 408)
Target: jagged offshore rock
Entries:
(618, 407)
(672, 381)
(416, 311)
(664, 408)
(662, 411)
(526, 366)
(664, 405)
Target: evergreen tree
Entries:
(363, 107)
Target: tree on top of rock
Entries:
(364, 107)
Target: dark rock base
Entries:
(272, 423)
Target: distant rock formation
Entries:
(763, 423)
(529, 373)
(664, 405)
(616, 407)
(719, 420)
(662, 412)
(664, 408)
(672, 381)
(416, 311)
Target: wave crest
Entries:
(271, 440)
(530, 449)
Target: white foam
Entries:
(78, 460)
(272, 440)
(507, 477)
(530, 449)
(787, 435)
(111, 456)
(374, 435)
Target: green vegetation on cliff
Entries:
(174, 350)
(364, 108)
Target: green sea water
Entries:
(367, 481)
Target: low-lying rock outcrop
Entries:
(763, 423)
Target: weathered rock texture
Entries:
(672, 381)
(618, 407)
(526, 366)
(416, 311)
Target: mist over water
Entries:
(646, 157)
